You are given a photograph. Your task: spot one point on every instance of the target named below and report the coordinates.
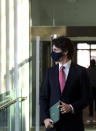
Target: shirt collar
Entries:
(66, 65)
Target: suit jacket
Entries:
(75, 93)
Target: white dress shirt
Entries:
(66, 70)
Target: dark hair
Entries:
(65, 44)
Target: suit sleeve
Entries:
(44, 98)
(84, 100)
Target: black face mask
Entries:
(56, 56)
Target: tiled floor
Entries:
(90, 122)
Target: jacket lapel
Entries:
(69, 80)
(56, 80)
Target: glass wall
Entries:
(14, 65)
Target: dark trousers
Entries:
(92, 101)
(68, 127)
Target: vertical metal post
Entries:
(51, 50)
(0, 46)
(37, 82)
(7, 45)
(16, 71)
(15, 48)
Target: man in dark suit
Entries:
(92, 82)
(73, 95)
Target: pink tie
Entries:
(62, 78)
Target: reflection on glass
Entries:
(23, 55)
(3, 46)
(11, 34)
(7, 66)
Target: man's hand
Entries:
(65, 108)
(48, 123)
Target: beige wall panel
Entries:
(45, 32)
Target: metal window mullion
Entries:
(37, 82)
(7, 45)
(16, 71)
(0, 46)
(16, 48)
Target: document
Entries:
(55, 112)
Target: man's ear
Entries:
(65, 52)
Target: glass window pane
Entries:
(93, 54)
(93, 46)
(23, 30)
(11, 34)
(3, 46)
(83, 57)
(83, 46)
